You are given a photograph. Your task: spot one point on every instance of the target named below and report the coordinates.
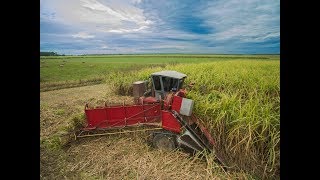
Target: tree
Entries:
(44, 53)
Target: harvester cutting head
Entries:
(165, 107)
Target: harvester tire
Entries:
(164, 142)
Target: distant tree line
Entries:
(50, 54)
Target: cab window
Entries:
(180, 83)
(169, 84)
(156, 81)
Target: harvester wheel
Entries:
(162, 141)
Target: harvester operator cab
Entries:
(165, 81)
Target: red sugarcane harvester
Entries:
(164, 107)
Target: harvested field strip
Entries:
(49, 86)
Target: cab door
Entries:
(157, 87)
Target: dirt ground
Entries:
(125, 156)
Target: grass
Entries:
(237, 98)
(240, 102)
(63, 68)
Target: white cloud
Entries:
(137, 26)
(95, 15)
(173, 46)
(247, 20)
(104, 47)
(83, 35)
(136, 1)
(127, 30)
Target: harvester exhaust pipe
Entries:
(139, 87)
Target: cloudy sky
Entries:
(160, 26)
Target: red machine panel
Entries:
(149, 100)
(169, 122)
(133, 114)
(176, 103)
(119, 116)
(95, 116)
(115, 116)
(151, 112)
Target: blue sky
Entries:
(160, 26)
